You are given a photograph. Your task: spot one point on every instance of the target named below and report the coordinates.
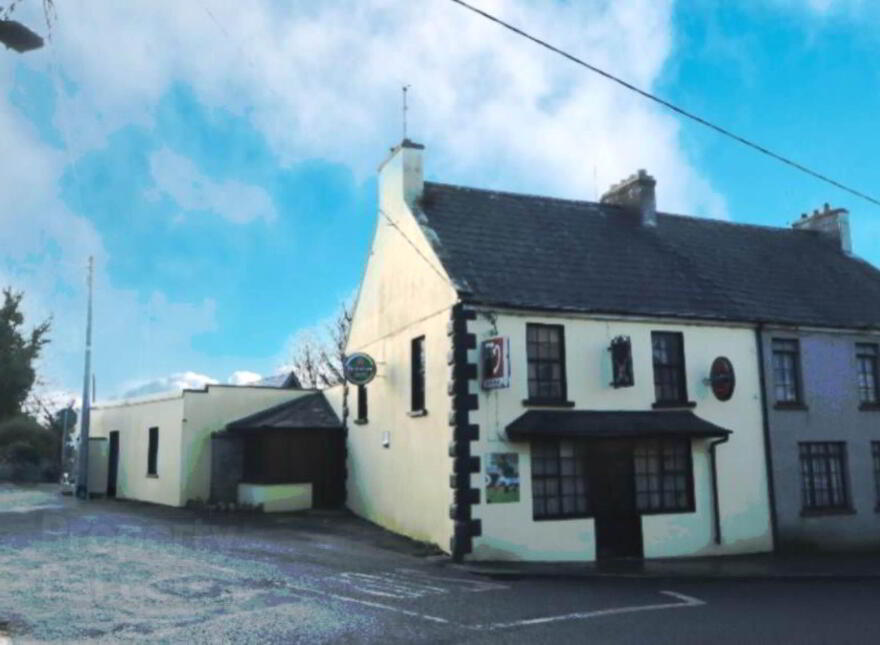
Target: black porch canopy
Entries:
(611, 424)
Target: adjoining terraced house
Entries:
(820, 353)
(571, 380)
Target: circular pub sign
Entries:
(722, 378)
(359, 368)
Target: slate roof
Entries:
(524, 251)
(617, 424)
(287, 381)
(309, 411)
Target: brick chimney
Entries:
(400, 176)
(635, 193)
(831, 222)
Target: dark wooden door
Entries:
(113, 465)
(618, 524)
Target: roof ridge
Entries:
(587, 202)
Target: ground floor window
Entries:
(823, 475)
(664, 476)
(559, 480)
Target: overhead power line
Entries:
(394, 225)
(671, 106)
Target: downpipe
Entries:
(716, 510)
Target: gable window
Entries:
(664, 476)
(153, 452)
(786, 371)
(866, 360)
(362, 404)
(823, 476)
(670, 386)
(875, 453)
(545, 350)
(559, 480)
(417, 377)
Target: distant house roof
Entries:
(602, 424)
(523, 251)
(287, 381)
(309, 411)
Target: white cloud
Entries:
(323, 80)
(180, 179)
(243, 377)
(170, 383)
(319, 80)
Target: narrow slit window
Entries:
(362, 403)
(417, 401)
(153, 452)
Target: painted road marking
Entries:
(405, 584)
(411, 583)
(685, 602)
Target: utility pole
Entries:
(82, 477)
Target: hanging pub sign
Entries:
(359, 368)
(621, 362)
(495, 357)
(722, 378)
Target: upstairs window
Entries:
(545, 349)
(866, 360)
(417, 378)
(153, 452)
(823, 476)
(362, 404)
(786, 371)
(669, 377)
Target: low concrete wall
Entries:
(276, 498)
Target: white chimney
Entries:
(400, 176)
(635, 193)
(831, 222)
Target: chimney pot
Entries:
(830, 222)
(636, 193)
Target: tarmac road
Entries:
(108, 571)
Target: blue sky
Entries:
(219, 161)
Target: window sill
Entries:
(548, 403)
(417, 413)
(152, 476)
(557, 518)
(660, 405)
(820, 512)
(360, 422)
(870, 407)
(789, 406)
(668, 511)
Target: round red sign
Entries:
(722, 378)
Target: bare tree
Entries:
(318, 353)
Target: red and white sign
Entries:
(722, 378)
(495, 359)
